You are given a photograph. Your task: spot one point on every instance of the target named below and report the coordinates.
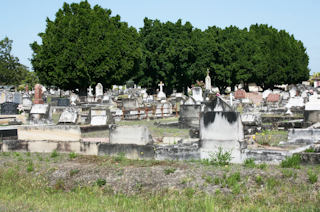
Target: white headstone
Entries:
(197, 94)
(99, 89)
(161, 94)
(69, 115)
(90, 91)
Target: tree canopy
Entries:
(11, 71)
(84, 46)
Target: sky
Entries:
(22, 20)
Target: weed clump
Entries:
(101, 182)
(313, 177)
(291, 162)
(169, 171)
(249, 163)
(220, 158)
(72, 155)
(54, 154)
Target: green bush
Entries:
(249, 163)
(221, 157)
(313, 177)
(291, 162)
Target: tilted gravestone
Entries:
(9, 108)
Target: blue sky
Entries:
(22, 20)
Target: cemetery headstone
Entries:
(240, 94)
(63, 102)
(99, 90)
(2, 97)
(69, 115)
(197, 94)
(9, 97)
(161, 94)
(17, 98)
(9, 108)
(273, 97)
(38, 94)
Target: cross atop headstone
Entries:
(90, 91)
(161, 86)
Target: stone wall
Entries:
(49, 133)
(138, 135)
(131, 151)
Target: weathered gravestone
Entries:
(69, 115)
(39, 112)
(197, 94)
(26, 102)
(100, 116)
(38, 94)
(17, 98)
(9, 108)
(99, 90)
(273, 97)
(9, 97)
(240, 94)
(161, 94)
(63, 102)
(221, 129)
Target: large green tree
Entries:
(84, 46)
(12, 72)
(169, 52)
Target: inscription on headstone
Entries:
(9, 108)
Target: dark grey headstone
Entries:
(64, 102)
(9, 108)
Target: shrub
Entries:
(249, 163)
(313, 177)
(291, 162)
(54, 154)
(310, 150)
(169, 171)
(221, 157)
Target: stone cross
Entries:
(161, 86)
(90, 91)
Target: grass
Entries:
(291, 162)
(271, 137)
(157, 131)
(239, 188)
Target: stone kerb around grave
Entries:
(138, 135)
